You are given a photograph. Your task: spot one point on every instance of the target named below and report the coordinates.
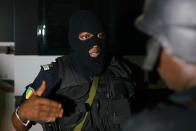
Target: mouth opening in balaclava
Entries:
(86, 21)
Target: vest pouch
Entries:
(73, 112)
(71, 121)
(65, 123)
(120, 110)
(121, 92)
(121, 88)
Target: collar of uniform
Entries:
(74, 77)
(68, 74)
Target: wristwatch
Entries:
(22, 122)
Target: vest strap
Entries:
(89, 101)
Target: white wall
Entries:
(27, 68)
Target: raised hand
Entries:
(37, 108)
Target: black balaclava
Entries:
(86, 21)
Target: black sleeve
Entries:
(50, 76)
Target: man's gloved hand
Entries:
(37, 108)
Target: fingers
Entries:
(53, 108)
(52, 111)
(44, 116)
(49, 113)
(41, 89)
(48, 102)
(41, 109)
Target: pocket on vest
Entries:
(120, 110)
(72, 120)
(121, 88)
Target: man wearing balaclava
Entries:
(86, 37)
(85, 91)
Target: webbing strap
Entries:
(89, 101)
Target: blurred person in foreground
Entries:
(171, 24)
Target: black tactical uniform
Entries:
(69, 80)
(111, 105)
(177, 115)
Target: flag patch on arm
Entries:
(30, 91)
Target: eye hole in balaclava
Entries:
(86, 24)
(86, 35)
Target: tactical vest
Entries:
(111, 105)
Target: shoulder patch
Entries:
(30, 91)
(47, 67)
